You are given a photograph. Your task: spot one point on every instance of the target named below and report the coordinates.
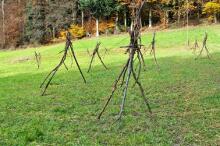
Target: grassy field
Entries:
(184, 95)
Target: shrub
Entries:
(106, 26)
(62, 34)
(210, 19)
(212, 9)
(75, 30)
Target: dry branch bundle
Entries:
(128, 70)
(68, 48)
(38, 59)
(96, 51)
(204, 47)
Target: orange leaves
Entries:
(103, 26)
(106, 26)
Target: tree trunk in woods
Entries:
(82, 19)
(97, 27)
(125, 20)
(3, 23)
(141, 23)
(116, 23)
(198, 17)
(74, 11)
(215, 18)
(178, 19)
(150, 18)
(167, 19)
(54, 33)
(131, 28)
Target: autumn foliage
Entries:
(76, 32)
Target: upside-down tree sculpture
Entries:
(204, 46)
(128, 69)
(96, 51)
(68, 47)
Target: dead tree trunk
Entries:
(50, 76)
(96, 51)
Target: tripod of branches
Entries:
(68, 48)
(152, 47)
(96, 51)
(128, 69)
(204, 47)
(38, 59)
(195, 46)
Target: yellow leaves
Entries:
(189, 6)
(211, 8)
(210, 19)
(75, 30)
(62, 34)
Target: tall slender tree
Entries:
(98, 9)
(3, 23)
(150, 5)
(39, 21)
(35, 24)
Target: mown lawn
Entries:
(184, 95)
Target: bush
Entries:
(75, 30)
(90, 26)
(106, 26)
(210, 19)
(212, 9)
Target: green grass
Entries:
(184, 95)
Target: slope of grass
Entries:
(184, 95)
